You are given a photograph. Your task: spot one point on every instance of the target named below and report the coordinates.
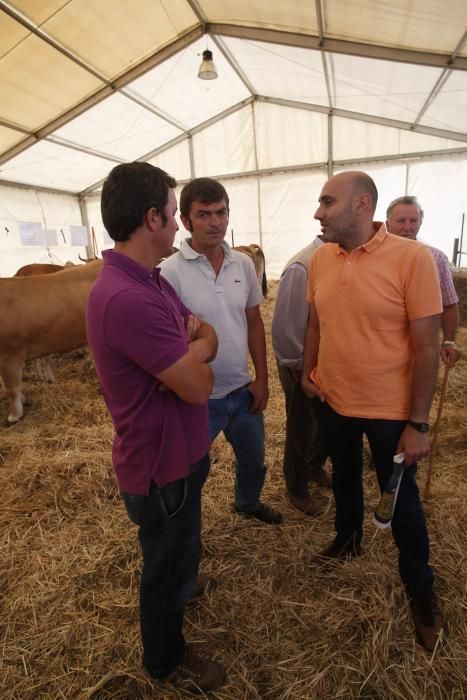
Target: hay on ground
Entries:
(284, 627)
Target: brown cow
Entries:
(257, 256)
(43, 372)
(38, 269)
(41, 314)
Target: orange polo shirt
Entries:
(364, 300)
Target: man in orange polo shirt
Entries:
(371, 358)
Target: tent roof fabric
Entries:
(85, 84)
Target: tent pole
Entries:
(85, 222)
(330, 156)
(258, 177)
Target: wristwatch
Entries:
(421, 427)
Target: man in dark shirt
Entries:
(151, 357)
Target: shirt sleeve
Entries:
(448, 291)
(290, 317)
(422, 290)
(150, 334)
(184, 310)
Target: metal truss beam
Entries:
(341, 46)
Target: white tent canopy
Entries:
(305, 89)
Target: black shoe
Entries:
(265, 513)
(336, 551)
(203, 585)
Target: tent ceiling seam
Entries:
(412, 157)
(234, 64)
(37, 188)
(340, 46)
(15, 127)
(83, 149)
(458, 48)
(402, 157)
(150, 108)
(327, 79)
(319, 20)
(196, 9)
(441, 80)
(371, 119)
(433, 94)
(41, 34)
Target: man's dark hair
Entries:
(408, 199)
(128, 192)
(201, 189)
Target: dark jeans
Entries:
(343, 437)
(304, 450)
(245, 433)
(169, 520)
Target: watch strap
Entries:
(421, 427)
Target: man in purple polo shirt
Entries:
(151, 357)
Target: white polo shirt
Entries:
(220, 301)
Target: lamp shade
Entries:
(207, 69)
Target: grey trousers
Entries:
(304, 450)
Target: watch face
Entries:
(421, 427)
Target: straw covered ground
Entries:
(284, 628)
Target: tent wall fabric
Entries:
(39, 227)
(304, 90)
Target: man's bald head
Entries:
(358, 182)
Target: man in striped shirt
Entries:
(404, 218)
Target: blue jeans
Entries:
(169, 521)
(343, 437)
(245, 433)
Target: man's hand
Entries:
(202, 338)
(413, 444)
(192, 327)
(449, 355)
(260, 392)
(311, 389)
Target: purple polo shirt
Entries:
(136, 328)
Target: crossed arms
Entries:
(190, 377)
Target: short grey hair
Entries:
(408, 199)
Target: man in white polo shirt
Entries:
(220, 286)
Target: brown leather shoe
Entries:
(428, 620)
(196, 674)
(322, 478)
(264, 513)
(204, 583)
(305, 504)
